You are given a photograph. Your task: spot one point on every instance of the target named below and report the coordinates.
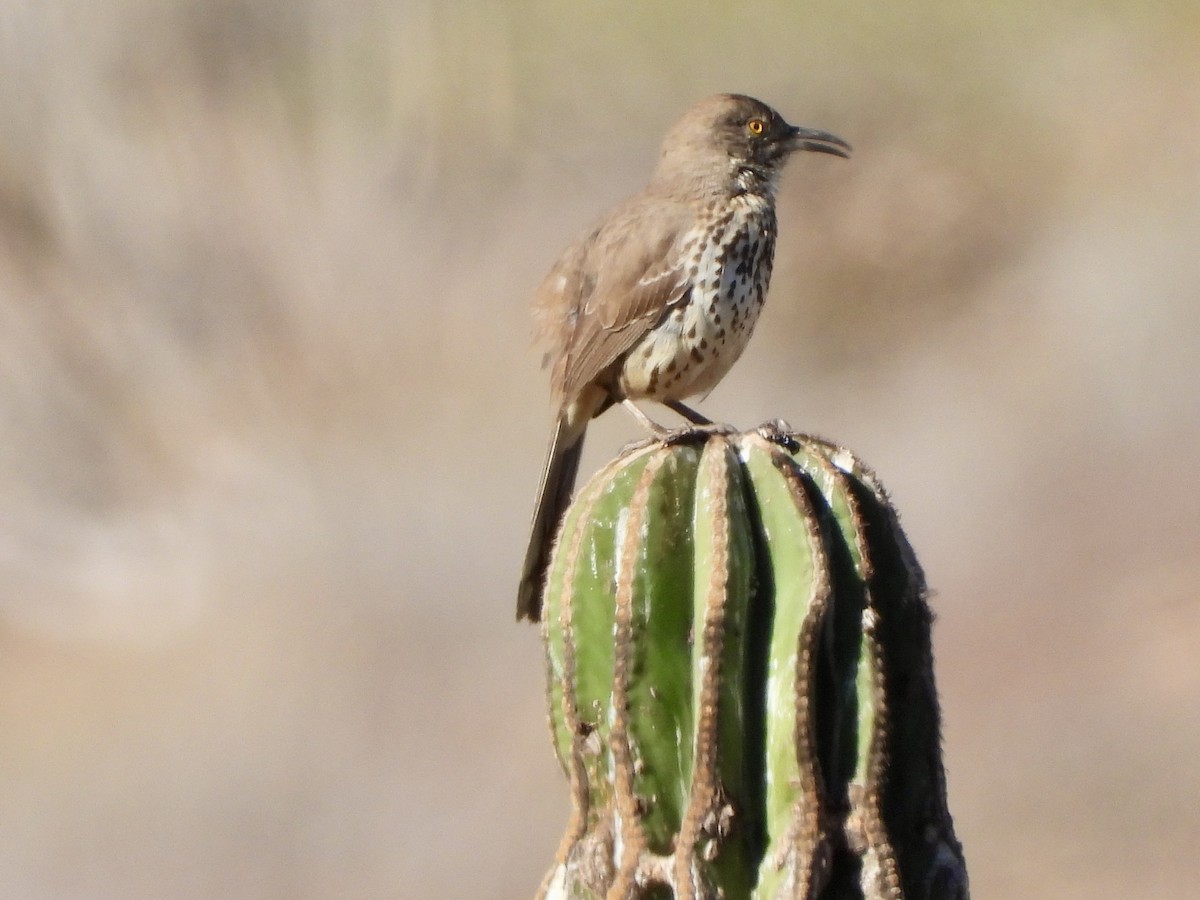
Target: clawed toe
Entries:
(643, 443)
(698, 434)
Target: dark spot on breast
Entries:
(697, 356)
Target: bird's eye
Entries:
(755, 126)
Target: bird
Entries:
(659, 298)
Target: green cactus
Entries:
(741, 683)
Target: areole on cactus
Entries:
(740, 680)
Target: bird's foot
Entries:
(674, 437)
(693, 433)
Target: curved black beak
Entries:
(817, 141)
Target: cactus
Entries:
(740, 680)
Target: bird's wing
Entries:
(609, 289)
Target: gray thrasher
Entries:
(658, 300)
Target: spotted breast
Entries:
(728, 263)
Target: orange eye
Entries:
(755, 126)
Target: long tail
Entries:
(554, 495)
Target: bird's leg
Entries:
(697, 429)
(687, 412)
(660, 434)
(699, 425)
(659, 431)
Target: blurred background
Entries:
(271, 424)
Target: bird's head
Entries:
(738, 142)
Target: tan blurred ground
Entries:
(270, 429)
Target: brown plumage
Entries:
(658, 300)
